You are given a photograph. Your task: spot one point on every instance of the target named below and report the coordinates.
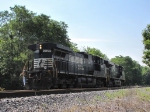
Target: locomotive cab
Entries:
(43, 56)
(49, 60)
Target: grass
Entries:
(98, 97)
(116, 94)
(140, 93)
(134, 100)
(144, 94)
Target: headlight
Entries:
(40, 46)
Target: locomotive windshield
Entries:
(43, 55)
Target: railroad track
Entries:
(24, 93)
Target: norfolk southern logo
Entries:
(41, 63)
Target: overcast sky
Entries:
(113, 26)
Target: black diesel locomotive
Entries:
(57, 66)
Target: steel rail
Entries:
(24, 93)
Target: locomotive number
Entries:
(46, 50)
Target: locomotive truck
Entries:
(58, 66)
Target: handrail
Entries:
(24, 69)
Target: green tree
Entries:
(74, 47)
(132, 69)
(146, 42)
(20, 28)
(95, 52)
(146, 75)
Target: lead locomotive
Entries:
(57, 66)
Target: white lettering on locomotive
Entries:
(46, 50)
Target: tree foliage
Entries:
(146, 75)
(74, 47)
(95, 52)
(132, 69)
(20, 28)
(146, 42)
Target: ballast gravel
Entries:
(75, 102)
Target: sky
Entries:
(112, 26)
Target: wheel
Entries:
(99, 84)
